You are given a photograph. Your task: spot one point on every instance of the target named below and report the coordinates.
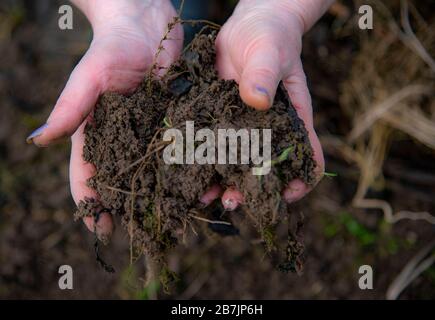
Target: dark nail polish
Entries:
(35, 134)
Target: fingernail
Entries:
(36, 133)
(230, 204)
(262, 91)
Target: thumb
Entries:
(260, 77)
(74, 104)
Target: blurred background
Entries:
(374, 111)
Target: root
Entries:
(389, 215)
(124, 191)
(210, 24)
(387, 106)
(209, 221)
(366, 121)
(415, 267)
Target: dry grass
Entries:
(390, 90)
(415, 267)
(391, 85)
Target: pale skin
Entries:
(258, 46)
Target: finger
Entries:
(74, 104)
(211, 195)
(295, 190)
(232, 198)
(297, 88)
(224, 64)
(260, 76)
(80, 172)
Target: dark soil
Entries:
(156, 200)
(37, 232)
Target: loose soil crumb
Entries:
(159, 203)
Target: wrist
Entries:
(102, 13)
(281, 9)
(306, 12)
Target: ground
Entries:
(38, 233)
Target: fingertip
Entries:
(89, 223)
(255, 96)
(104, 226)
(232, 198)
(48, 134)
(80, 172)
(261, 75)
(36, 134)
(295, 190)
(212, 194)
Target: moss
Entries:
(149, 222)
(269, 237)
(364, 236)
(149, 291)
(167, 277)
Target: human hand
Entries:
(127, 34)
(259, 46)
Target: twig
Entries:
(391, 217)
(211, 24)
(413, 122)
(180, 9)
(411, 271)
(195, 286)
(210, 221)
(147, 154)
(123, 191)
(366, 120)
(410, 39)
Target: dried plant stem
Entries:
(365, 121)
(210, 221)
(416, 266)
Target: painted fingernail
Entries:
(263, 91)
(36, 133)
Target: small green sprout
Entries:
(283, 156)
(330, 174)
(167, 122)
(267, 164)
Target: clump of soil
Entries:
(157, 201)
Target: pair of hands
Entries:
(259, 46)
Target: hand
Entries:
(126, 36)
(259, 46)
